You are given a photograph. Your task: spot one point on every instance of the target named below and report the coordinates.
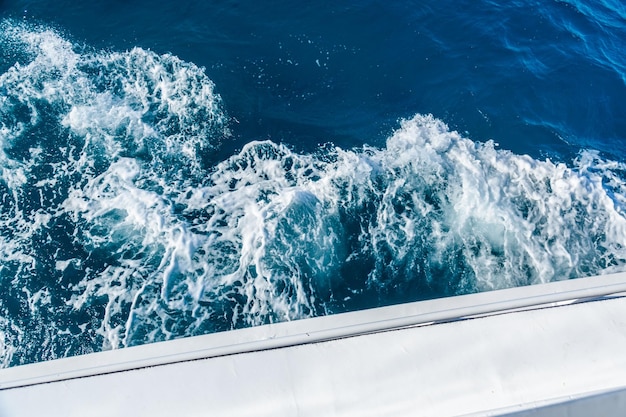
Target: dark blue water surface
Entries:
(175, 169)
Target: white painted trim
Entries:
(604, 403)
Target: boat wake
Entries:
(119, 227)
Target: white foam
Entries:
(157, 245)
(10, 338)
(519, 220)
(114, 119)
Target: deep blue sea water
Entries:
(176, 169)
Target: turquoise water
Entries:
(179, 169)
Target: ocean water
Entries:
(176, 169)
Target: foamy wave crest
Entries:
(73, 121)
(492, 218)
(118, 228)
(274, 235)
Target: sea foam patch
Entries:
(118, 227)
(91, 142)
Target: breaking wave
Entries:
(119, 227)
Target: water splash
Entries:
(117, 227)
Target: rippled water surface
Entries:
(193, 167)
